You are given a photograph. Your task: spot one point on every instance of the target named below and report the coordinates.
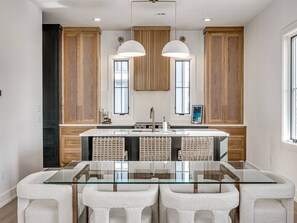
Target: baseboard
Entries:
(8, 196)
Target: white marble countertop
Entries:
(172, 124)
(148, 132)
(99, 124)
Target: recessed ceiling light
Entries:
(207, 19)
(96, 19)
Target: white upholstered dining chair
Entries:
(127, 204)
(263, 203)
(206, 207)
(46, 203)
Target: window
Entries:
(293, 89)
(121, 87)
(182, 87)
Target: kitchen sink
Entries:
(149, 130)
(144, 130)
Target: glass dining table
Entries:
(156, 172)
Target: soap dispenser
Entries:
(164, 124)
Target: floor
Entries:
(8, 213)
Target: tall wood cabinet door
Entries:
(224, 75)
(151, 72)
(234, 78)
(80, 80)
(214, 78)
(87, 98)
(70, 80)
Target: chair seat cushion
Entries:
(269, 211)
(117, 215)
(200, 216)
(45, 211)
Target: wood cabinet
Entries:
(236, 141)
(151, 72)
(70, 144)
(51, 74)
(223, 75)
(81, 75)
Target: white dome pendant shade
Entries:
(176, 49)
(131, 48)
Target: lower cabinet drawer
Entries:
(236, 154)
(70, 145)
(67, 157)
(236, 141)
(70, 141)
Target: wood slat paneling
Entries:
(151, 72)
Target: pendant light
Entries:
(175, 48)
(131, 48)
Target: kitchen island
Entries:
(132, 140)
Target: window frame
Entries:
(292, 89)
(114, 86)
(175, 85)
(287, 33)
(196, 87)
(107, 92)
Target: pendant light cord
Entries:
(175, 28)
(175, 16)
(131, 21)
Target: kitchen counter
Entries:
(132, 140)
(148, 132)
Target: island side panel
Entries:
(86, 148)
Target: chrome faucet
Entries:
(152, 116)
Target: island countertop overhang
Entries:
(148, 133)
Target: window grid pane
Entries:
(121, 87)
(182, 87)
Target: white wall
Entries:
(263, 89)
(144, 100)
(21, 100)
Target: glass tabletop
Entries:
(158, 172)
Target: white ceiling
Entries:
(116, 14)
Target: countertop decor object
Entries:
(197, 114)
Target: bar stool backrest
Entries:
(154, 148)
(196, 148)
(109, 149)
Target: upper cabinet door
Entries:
(81, 75)
(234, 78)
(214, 78)
(151, 72)
(224, 75)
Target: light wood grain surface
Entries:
(223, 58)
(151, 72)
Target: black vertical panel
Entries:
(51, 42)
